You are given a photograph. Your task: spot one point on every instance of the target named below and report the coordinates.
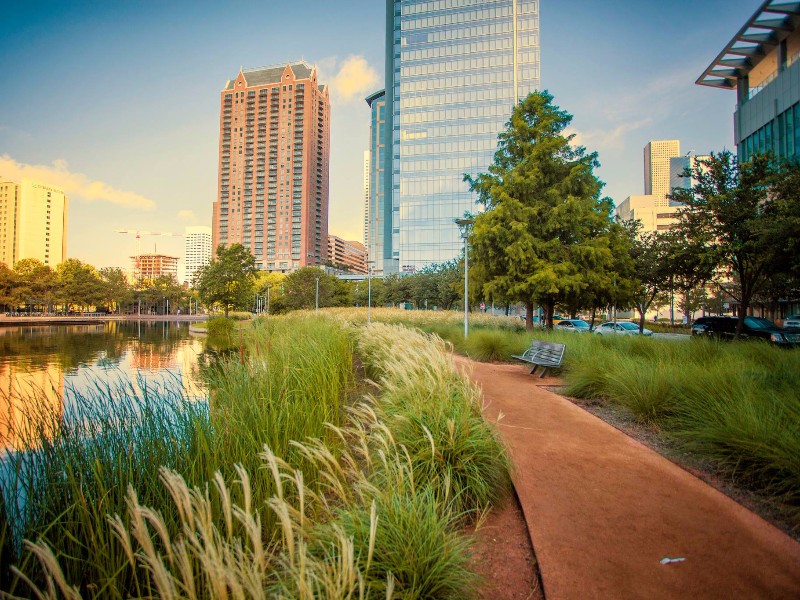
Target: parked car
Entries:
(576, 325)
(620, 328)
(792, 322)
(752, 328)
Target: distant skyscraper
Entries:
(379, 208)
(656, 167)
(366, 196)
(33, 222)
(677, 167)
(196, 251)
(273, 166)
(454, 71)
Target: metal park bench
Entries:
(542, 354)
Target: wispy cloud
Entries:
(607, 138)
(75, 185)
(186, 215)
(354, 78)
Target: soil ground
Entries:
(610, 518)
(503, 556)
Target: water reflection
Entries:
(45, 369)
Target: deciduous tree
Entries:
(228, 279)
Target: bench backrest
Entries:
(550, 351)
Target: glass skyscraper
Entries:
(454, 71)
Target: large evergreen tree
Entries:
(544, 236)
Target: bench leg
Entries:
(533, 370)
(544, 370)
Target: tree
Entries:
(228, 279)
(734, 214)
(35, 283)
(300, 289)
(545, 228)
(8, 283)
(78, 284)
(115, 289)
(651, 268)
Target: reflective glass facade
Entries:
(456, 69)
(379, 212)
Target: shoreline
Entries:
(83, 320)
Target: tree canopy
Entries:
(742, 219)
(544, 236)
(228, 279)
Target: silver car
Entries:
(620, 328)
(576, 325)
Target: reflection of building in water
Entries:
(186, 360)
(151, 357)
(31, 404)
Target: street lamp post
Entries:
(464, 225)
(316, 297)
(369, 292)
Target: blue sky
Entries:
(119, 101)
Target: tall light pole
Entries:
(316, 297)
(464, 226)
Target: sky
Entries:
(118, 102)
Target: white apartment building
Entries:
(197, 251)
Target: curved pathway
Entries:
(604, 511)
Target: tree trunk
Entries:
(529, 315)
(594, 314)
(549, 308)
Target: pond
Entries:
(57, 364)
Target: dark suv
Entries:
(752, 328)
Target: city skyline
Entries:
(116, 104)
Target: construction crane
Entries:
(139, 233)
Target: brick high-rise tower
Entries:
(274, 147)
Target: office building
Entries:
(454, 72)
(147, 267)
(762, 64)
(196, 251)
(366, 196)
(657, 154)
(649, 210)
(274, 145)
(379, 209)
(663, 170)
(347, 255)
(33, 222)
(678, 166)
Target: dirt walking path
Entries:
(605, 512)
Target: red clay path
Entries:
(603, 510)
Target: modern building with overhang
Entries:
(761, 64)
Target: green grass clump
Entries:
(368, 506)
(74, 469)
(220, 327)
(409, 547)
(490, 345)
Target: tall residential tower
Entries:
(454, 71)
(274, 145)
